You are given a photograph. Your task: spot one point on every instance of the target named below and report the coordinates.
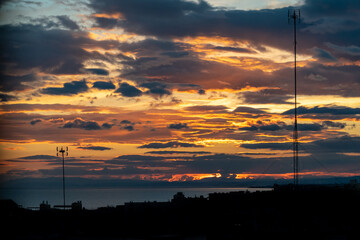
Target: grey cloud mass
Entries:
(103, 85)
(127, 90)
(95, 148)
(332, 110)
(70, 88)
(79, 123)
(170, 145)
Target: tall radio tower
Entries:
(63, 151)
(294, 16)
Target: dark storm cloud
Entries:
(56, 161)
(345, 144)
(179, 18)
(79, 123)
(135, 161)
(332, 16)
(234, 49)
(6, 97)
(224, 164)
(49, 107)
(35, 121)
(3, 2)
(323, 55)
(331, 110)
(278, 84)
(107, 23)
(25, 47)
(251, 128)
(201, 92)
(183, 18)
(136, 158)
(150, 46)
(127, 90)
(54, 50)
(349, 50)
(138, 64)
(333, 7)
(180, 72)
(156, 88)
(98, 71)
(326, 76)
(95, 148)
(16, 83)
(221, 163)
(39, 157)
(266, 96)
(177, 152)
(332, 124)
(129, 128)
(230, 163)
(70, 88)
(162, 9)
(127, 125)
(68, 23)
(103, 85)
(308, 127)
(273, 146)
(178, 126)
(227, 20)
(173, 144)
(175, 54)
(243, 109)
(125, 122)
(301, 126)
(107, 125)
(208, 108)
(268, 127)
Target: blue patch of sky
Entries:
(16, 12)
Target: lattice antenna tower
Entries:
(63, 151)
(294, 17)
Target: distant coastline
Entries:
(93, 198)
(227, 215)
(94, 193)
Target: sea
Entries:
(107, 197)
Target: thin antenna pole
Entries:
(63, 158)
(296, 17)
(63, 151)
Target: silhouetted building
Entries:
(44, 206)
(354, 184)
(316, 211)
(178, 197)
(8, 205)
(76, 206)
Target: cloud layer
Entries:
(124, 83)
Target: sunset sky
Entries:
(178, 90)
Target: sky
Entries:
(178, 90)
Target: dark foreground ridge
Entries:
(312, 212)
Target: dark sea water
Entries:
(102, 197)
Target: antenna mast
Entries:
(294, 16)
(63, 151)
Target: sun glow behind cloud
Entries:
(244, 54)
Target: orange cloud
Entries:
(192, 177)
(116, 15)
